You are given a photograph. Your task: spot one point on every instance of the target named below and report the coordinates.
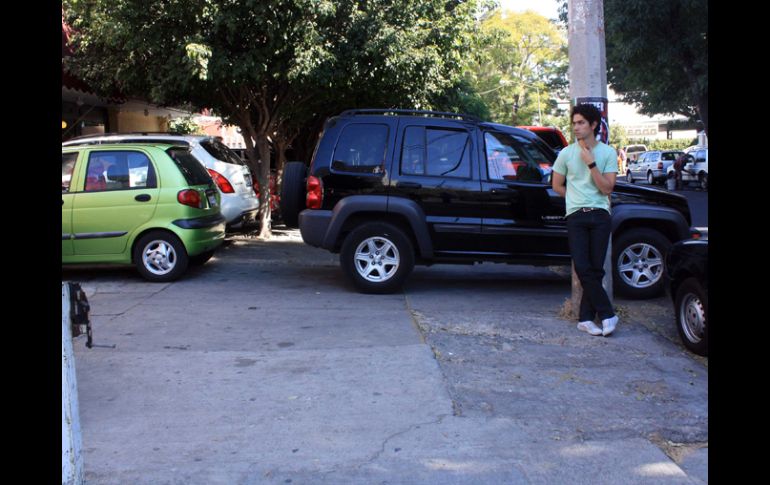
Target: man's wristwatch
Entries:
(591, 165)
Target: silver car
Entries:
(652, 166)
(239, 202)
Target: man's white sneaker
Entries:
(609, 324)
(590, 327)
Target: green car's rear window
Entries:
(194, 172)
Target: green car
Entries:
(151, 205)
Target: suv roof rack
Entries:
(414, 112)
(97, 135)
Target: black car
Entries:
(388, 189)
(687, 270)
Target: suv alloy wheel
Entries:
(377, 257)
(639, 262)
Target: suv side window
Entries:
(361, 148)
(119, 170)
(436, 152)
(515, 158)
(67, 167)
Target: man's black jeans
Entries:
(589, 235)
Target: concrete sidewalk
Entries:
(264, 366)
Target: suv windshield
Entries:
(194, 172)
(221, 152)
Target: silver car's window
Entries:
(222, 152)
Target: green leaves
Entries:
(657, 54)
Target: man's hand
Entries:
(585, 153)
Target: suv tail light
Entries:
(224, 185)
(190, 197)
(660, 165)
(314, 193)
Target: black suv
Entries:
(389, 189)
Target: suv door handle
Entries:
(502, 191)
(408, 185)
(142, 198)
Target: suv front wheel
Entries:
(638, 257)
(377, 257)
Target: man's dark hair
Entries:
(591, 113)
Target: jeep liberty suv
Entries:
(388, 189)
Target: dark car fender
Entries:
(356, 204)
(674, 222)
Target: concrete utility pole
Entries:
(588, 84)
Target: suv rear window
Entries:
(194, 172)
(222, 152)
(361, 148)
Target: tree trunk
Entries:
(257, 150)
(263, 178)
(703, 112)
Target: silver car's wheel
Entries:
(377, 259)
(629, 177)
(650, 178)
(160, 256)
(640, 265)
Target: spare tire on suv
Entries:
(293, 192)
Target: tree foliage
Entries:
(657, 55)
(274, 67)
(520, 67)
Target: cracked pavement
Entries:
(264, 366)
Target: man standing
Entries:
(678, 168)
(589, 168)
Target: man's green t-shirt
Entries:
(581, 189)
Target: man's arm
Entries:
(558, 182)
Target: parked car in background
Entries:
(652, 166)
(696, 168)
(148, 204)
(230, 173)
(687, 271)
(388, 189)
(551, 135)
(633, 151)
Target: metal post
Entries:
(72, 471)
